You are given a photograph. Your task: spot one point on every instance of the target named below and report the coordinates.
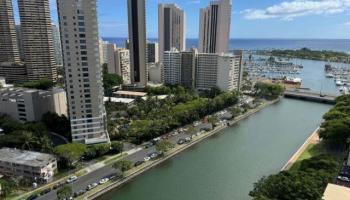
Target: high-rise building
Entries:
(36, 35)
(188, 68)
(152, 52)
(19, 42)
(172, 67)
(122, 64)
(171, 28)
(8, 41)
(214, 28)
(80, 39)
(109, 52)
(230, 71)
(137, 37)
(206, 70)
(57, 44)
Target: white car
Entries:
(146, 159)
(92, 186)
(343, 178)
(103, 181)
(72, 179)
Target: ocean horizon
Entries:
(342, 45)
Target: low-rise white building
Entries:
(28, 105)
(31, 165)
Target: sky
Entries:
(328, 19)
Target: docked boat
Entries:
(339, 83)
(329, 75)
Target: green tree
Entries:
(123, 165)
(164, 146)
(70, 153)
(109, 81)
(7, 187)
(57, 124)
(117, 147)
(43, 84)
(65, 192)
(268, 90)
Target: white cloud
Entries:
(288, 10)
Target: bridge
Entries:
(310, 96)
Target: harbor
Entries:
(340, 75)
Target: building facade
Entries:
(34, 166)
(80, 39)
(8, 40)
(13, 72)
(188, 68)
(37, 42)
(172, 67)
(230, 71)
(152, 52)
(171, 28)
(122, 64)
(137, 39)
(214, 28)
(57, 44)
(206, 71)
(28, 105)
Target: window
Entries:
(80, 17)
(81, 23)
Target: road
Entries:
(82, 182)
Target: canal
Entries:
(226, 166)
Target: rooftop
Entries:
(130, 93)
(336, 192)
(29, 158)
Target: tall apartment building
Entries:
(80, 39)
(109, 53)
(206, 70)
(230, 71)
(13, 72)
(219, 70)
(188, 68)
(214, 28)
(171, 28)
(152, 52)
(19, 42)
(36, 35)
(122, 64)
(137, 37)
(8, 41)
(172, 67)
(57, 44)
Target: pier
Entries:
(310, 96)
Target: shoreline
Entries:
(176, 151)
(300, 150)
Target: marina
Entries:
(340, 75)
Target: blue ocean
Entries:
(342, 45)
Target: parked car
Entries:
(343, 178)
(72, 179)
(146, 159)
(148, 145)
(153, 155)
(138, 163)
(188, 139)
(33, 196)
(103, 181)
(91, 186)
(181, 141)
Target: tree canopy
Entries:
(43, 84)
(308, 182)
(65, 192)
(268, 90)
(70, 153)
(335, 128)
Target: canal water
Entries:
(225, 167)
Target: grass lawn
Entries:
(315, 150)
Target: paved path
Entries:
(313, 139)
